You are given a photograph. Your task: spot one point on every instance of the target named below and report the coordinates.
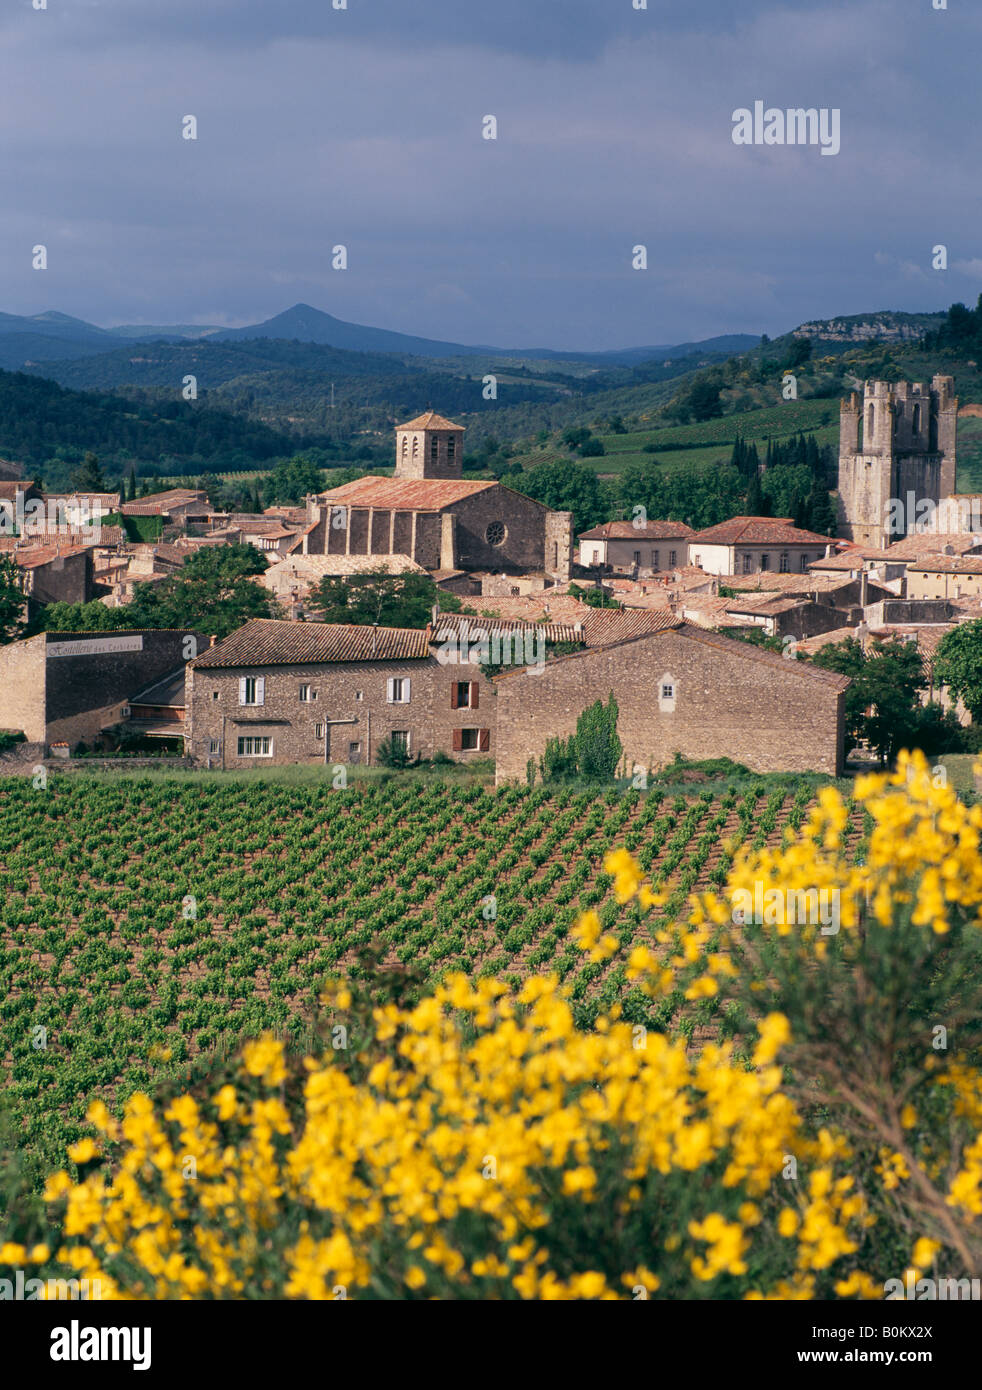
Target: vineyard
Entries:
(147, 923)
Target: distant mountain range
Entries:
(27, 341)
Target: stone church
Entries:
(428, 512)
(895, 447)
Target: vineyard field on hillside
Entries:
(147, 923)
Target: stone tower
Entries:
(429, 447)
(895, 450)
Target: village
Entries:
(648, 610)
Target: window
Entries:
(434, 448)
(667, 687)
(461, 699)
(672, 556)
(255, 747)
(655, 560)
(637, 557)
(748, 563)
(471, 740)
(451, 446)
(398, 690)
(495, 534)
(400, 739)
(697, 561)
(318, 731)
(359, 694)
(765, 562)
(307, 693)
(917, 419)
(415, 448)
(803, 562)
(214, 745)
(252, 690)
(783, 562)
(405, 446)
(214, 694)
(354, 752)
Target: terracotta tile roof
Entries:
(429, 420)
(757, 530)
(923, 543)
(627, 531)
(767, 604)
(770, 581)
(171, 554)
(467, 628)
(107, 499)
(927, 637)
(810, 645)
(848, 561)
(531, 608)
(405, 494)
(275, 642)
(10, 491)
(43, 555)
(605, 626)
(947, 564)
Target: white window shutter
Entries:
(390, 690)
(405, 691)
(260, 690)
(242, 690)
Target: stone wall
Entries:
(86, 693)
(351, 707)
(22, 687)
(729, 700)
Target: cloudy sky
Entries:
(363, 126)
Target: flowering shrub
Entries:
(478, 1145)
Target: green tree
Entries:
(598, 749)
(11, 600)
(214, 591)
(883, 706)
(88, 477)
(80, 617)
(958, 665)
(391, 600)
(703, 400)
(564, 487)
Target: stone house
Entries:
(55, 573)
(67, 687)
(291, 579)
(746, 544)
(945, 576)
(277, 692)
(430, 513)
(680, 690)
(647, 549)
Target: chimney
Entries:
(863, 588)
(212, 640)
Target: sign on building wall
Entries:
(95, 646)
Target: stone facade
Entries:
(335, 712)
(681, 690)
(63, 687)
(897, 445)
(430, 513)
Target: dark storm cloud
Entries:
(364, 127)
